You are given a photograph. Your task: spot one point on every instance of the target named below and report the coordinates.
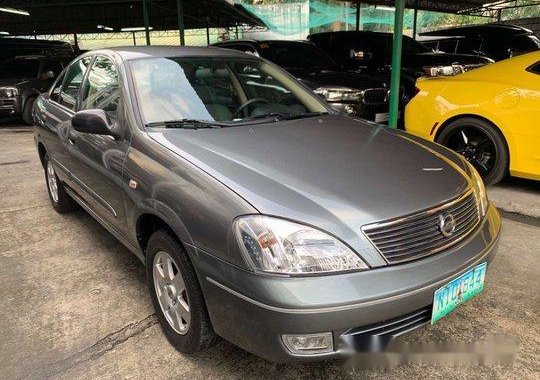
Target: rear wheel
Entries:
(176, 294)
(60, 199)
(481, 144)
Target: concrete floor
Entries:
(74, 303)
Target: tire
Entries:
(481, 143)
(60, 199)
(27, 111)
(197, 333)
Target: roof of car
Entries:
(263, 41)
(508, 29)
(138, 52)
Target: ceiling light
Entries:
(16, 11)
(135, 29)
(4, 33)
(104, 27)
(385, 8)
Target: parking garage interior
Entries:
(74, 299)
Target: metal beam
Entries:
(180, 11)
(207, 32)
(396, 64)
(415, 19)
(146, 23)
(357, 15)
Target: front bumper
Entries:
(253, 311)
(10, 106)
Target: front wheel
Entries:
(176, 294)
(481, 144)
(27, 111)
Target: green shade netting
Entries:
(291, 18)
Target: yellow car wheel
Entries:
(481, 143)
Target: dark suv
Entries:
(352, 93)
(23, 78)
(372, 51)
(496, 41)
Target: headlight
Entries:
(278, 246)
(8, 92)
(435, 71)
(479, 190)
(339, 94)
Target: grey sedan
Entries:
(262, 215)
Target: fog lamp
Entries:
(309, 344)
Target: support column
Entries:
(236, 30)
(180, 11)
(207, 33)
(146, 23)
(415, 19)
(396, 64)
(357, 15)
(134, 39)
(75, 42)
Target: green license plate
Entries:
(457, 291)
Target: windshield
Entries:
(411, 46)
(19, 68)
(295, 55)
(217, 90)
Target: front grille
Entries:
(377, 336)
(395, 326)
(7, 102)
(375, 96)
(420, 234)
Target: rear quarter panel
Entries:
(505, 93)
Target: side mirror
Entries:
(92, 121)
(48, 75)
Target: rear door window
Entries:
(72, 83)
(535, 69)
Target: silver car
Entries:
(262, 215)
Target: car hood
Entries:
(12, 81)
(317, 78)
(332, 172)
(440, 58)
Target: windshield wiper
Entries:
(186, 124)
(281, 116)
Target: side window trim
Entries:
(83, 83)
(66, 69)
(87, 74)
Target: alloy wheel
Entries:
(475, 146)
(171, 292)
(52, 182)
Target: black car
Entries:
(356, 94)
(496, 41)
(23, 78)
(14, 47)
(372, 51)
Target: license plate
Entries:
(381, 117)
(457, 291)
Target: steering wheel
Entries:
(242, 110)
(288, 100)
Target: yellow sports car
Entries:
(491, 115)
